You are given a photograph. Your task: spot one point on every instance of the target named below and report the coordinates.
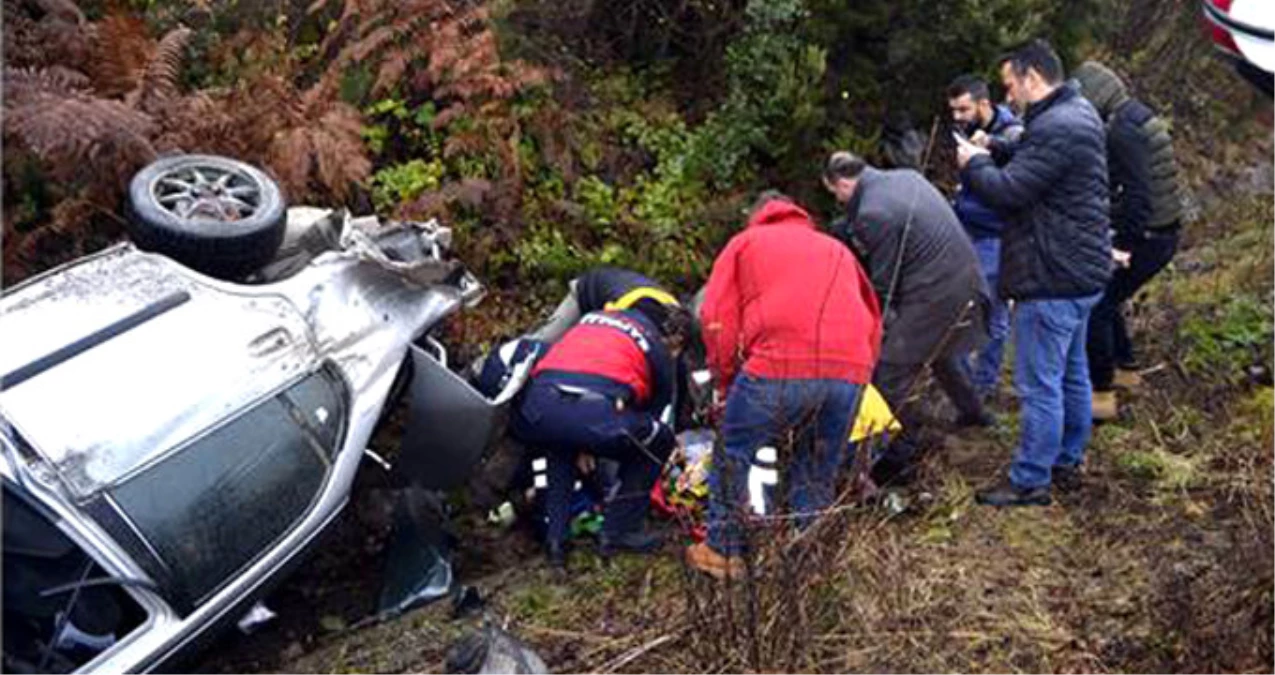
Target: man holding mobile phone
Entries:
(1056, 262)
(996, 128)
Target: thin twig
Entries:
(637, 652)
(575, 635)
(929, 147)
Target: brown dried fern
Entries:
(24, 85)
(53, 38)
(469, 193)
(158, 85)
(122, 47)
(68, 133)
(61, 10)
(323, 156)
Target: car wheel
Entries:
(216, 215)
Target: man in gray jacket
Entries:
(933, 297)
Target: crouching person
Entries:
(791, 329)
(598, 289)
(602, 390)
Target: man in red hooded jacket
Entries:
(792, 330)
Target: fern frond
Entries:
(291, 157)
(68, 134)
(470, 193)
(22, 85)
(323, 157)
(159, 79)
(340, 157)
(61, 10)
(122, 47)
(44, 42)
(201, 122)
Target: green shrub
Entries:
(1221, 342)
(399, 183)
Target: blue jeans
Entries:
(984, 366)
(1051, 374)
(759, 412)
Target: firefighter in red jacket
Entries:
(606, 389)
(792, 331)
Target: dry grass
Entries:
(1134, 573)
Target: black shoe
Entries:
(891, 472)
(630, 542)
(982, 419)
(1006, 493)
(556, 555)
(1067, 478)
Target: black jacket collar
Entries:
(1064, 92)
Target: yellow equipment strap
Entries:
(626, 301)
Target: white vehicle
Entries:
(172, 442)
(1244, 30)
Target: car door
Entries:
(203, 514)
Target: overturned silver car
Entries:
(172, 442)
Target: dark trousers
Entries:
(1108, 341)
(563, 425)
(897, 382)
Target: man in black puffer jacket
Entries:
(1055, 262)
(1146, 209)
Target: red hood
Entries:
(781, 212)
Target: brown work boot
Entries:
(705, 559)
(1127, 379)
(1105, 408)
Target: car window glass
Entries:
(214, 506)
(63, 631)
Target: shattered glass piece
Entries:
(256, 616)
(417, 569)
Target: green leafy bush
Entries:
(399, 183)
(1222, 342)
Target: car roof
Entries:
(116, 358)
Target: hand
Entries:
(967, 151)
(1121, 257)
(678, 456)
(717, 412)
(586, 463)
(981, 139)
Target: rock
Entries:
(294, 650)
(332, 623)
(493, 651)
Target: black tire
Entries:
(232, 225)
